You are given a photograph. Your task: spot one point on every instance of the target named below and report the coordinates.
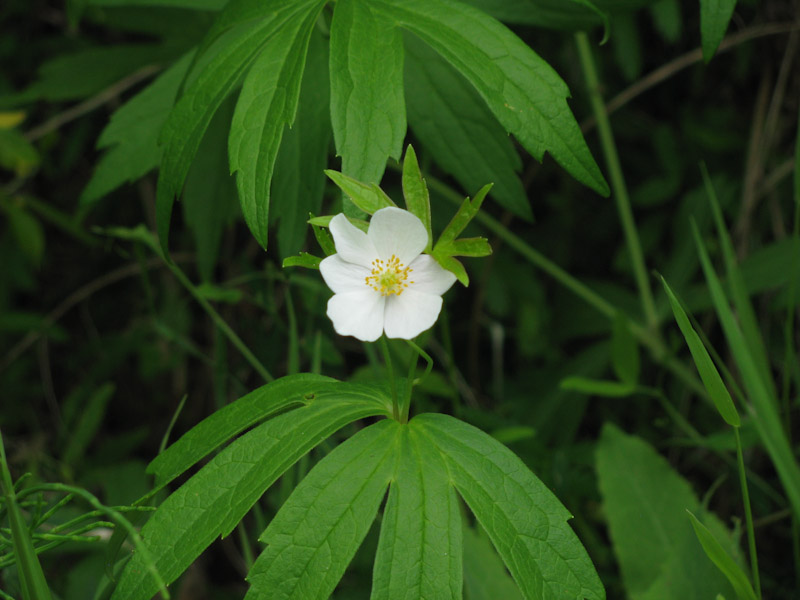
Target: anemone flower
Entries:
(381, 280)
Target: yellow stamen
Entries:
(390, 277)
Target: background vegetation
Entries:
(103, 344)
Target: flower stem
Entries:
(618, 186)
(751, 536)
(387, 360)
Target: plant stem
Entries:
(247, 551)
(387, 360)
(618, 187)
(405, 408)
(220, 322)
(748, 513)
(31, 576)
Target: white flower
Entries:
(380, 280)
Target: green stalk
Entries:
(120, 521)
(748, 513)
(618, 187)
(387, 360)
(406, 406)
(220, 322)
(247, 551)
(31, 576)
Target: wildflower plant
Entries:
(432, 465)
(225, 102)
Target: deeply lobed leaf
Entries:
(368, 111)
(525, 94)
(419, 551)
(318, 530)
(525, 521)
(215, 499)
(267, 103)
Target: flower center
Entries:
(390, 277)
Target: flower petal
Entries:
(352, 244)
(397, 231)
(342, 276)
(428, 276)
(359, 314)
(411, 313)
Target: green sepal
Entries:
(415, 192)
(304, 259)
(366, 196)
(325, 221)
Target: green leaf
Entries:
(552, 14)
(624, 352)
(131, 136)
(27, 231)
(209, 199)
(215, 499)
(318, 530)
(447, 246)
(764, 414)
(454, 266)
(525, 94)
(90, 71)
(477, 246)
(188, 120)
(369, 197)
(194, 4)
(368, 111)
(741, 299)
(466, 212)
(525, 521)
(419, 550)
(324, 239)
(714, 18)
(597, 387)
(91, 417)
(667, 19)
(714, 550)
(454, 124)
(304, 259)
(641, 493)
(415, 192)
(298, 183)
(485, 575)
(17, 154)
(232, 419)
(267, 103)
(705, 366)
